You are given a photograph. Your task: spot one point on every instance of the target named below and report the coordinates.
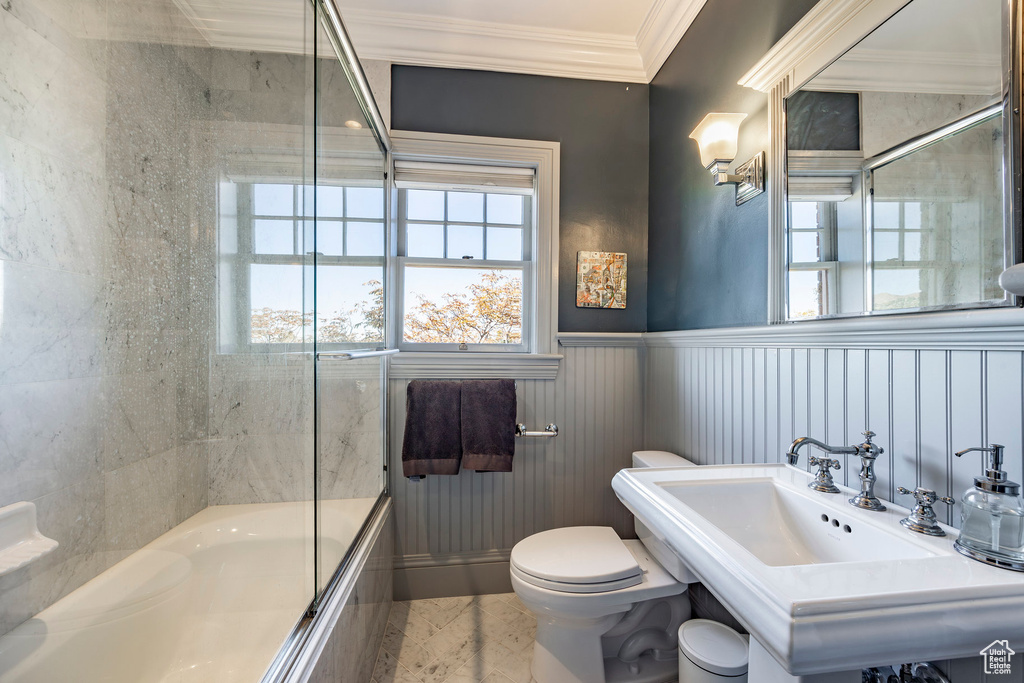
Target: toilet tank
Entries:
(657, 547)
(660, 459)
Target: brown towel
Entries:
(433, 434)
(488, 424)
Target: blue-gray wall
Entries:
(709, 257)
(603, 131)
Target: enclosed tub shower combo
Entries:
(192, 302)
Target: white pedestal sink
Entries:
(824, 588)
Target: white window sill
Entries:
(468, 365)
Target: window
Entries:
(896, 266)
(267, 265)
(813, 285)
(465, 259)
(482, 186)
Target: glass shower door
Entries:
(350, 273)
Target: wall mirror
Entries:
(900, 166)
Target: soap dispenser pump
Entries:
(992, 517)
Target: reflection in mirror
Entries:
(936, 219)
(895, 164)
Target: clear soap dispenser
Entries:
(992, 520)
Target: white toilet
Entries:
(608, 610)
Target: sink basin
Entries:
(822, 586)
(784, 527)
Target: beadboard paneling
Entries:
(596, 401)
(735, 405)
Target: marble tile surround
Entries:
(890, 118)
(261, 426)
(106, 301)
(361, 625)
(471, 639)
(118, 418)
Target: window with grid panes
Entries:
(464, 263)
(897, 267)
(275, 242)
(812, 259)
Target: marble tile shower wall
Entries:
(261, 421)
(262, 417)
(105, 314)
(261, 427)
(112, 395)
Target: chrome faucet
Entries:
(823, 479)
(867, 451)
(793, 455)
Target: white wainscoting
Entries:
(927, 385)
(475, 518)
(716, 403)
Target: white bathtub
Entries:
(211, 600)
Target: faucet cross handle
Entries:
(922, 519)
(869, 449)
(823, 479)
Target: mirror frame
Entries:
(824, 34)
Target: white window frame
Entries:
(827, 264)
(526, 265)
(540, 278)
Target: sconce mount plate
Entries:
(751, 181)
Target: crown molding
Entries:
(829, 29)
(912, 71)
(449, 42)
(253, 25)
(663, 27)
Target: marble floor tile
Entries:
(473, 671)
(406, 650)
(486, 638)
(389, 670)
(512, 616)
(497, 677)
(411, 623)
(441, 611)
(516, 665)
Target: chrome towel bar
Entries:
(550, 430)
(355, 354)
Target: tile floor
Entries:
(473, 639)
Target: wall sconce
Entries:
(717, 137)
(1012, 279)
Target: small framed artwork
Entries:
(600, 279)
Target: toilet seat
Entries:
(576, 560)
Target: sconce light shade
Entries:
(717, 136)
(1012, 279)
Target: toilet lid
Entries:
(574, 558)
